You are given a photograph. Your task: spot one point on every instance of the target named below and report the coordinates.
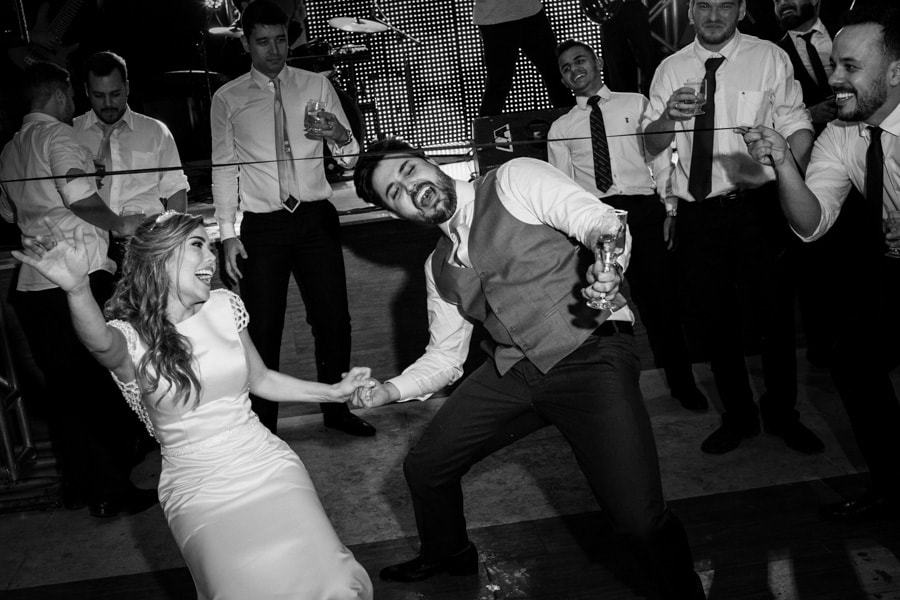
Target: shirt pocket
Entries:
(752, 109)
(144, 160)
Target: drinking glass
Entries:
(313, 118)
(892, 223)
(609, 245)
(699, 88)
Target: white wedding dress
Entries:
(238, 501)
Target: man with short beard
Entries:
(731, 235)
(513, 256)
(859, 149)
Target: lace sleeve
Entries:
(131, 390)
(241, 316)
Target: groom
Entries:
(509, 259)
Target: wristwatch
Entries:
(672, 212)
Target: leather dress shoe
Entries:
(797, 436)
(464, 562)
(729, 436)
(349, 423)
(691, 399)
(870, 505)
(133, 502)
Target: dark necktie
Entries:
(875, 180)
(816, 62)
(700, 181)
(599, 147)
(287, 177)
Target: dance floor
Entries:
(750, 515)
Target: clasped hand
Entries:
(603, 284)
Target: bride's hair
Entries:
(142, 296)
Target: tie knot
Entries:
(713, 63)
(874, 131)
(807, 37)
(593, 101)
(276, 83)
(108, 128)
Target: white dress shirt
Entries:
(46, 147)
(839, 161)
(243, 131)
(755, 85)
(821, 41)
(573, 154)
(533, 192)
(141, 143)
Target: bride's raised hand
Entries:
(65, 263)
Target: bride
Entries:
(238, 500)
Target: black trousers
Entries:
(91, 426)
(651, 278)
(501, 43)
(592, 396)
(865, 353)
(731, 255)
(307, 245)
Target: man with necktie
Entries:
(858, 150)
(120, 140)
(730, 233)
(289, 227)
(599, 144)
(514, 255)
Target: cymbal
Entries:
(232, 32)
(358, 25)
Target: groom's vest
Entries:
(524, 285)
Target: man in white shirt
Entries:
(859, 149)
(630, 186)
(514, 256)
(731, 235)
(120, 139)
(90, 423)
(289, 226)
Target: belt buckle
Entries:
(290, 204)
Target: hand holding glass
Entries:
(609, 245)
(313, 120)
(892, 224)
(699, 88)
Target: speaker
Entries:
(512, 135)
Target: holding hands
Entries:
(357, 380)
(62, 261)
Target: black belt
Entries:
(609, 327)
(725, 200)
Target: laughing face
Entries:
(581, 71)
(794, 13)
(191, 269)
(861, 71)
(414, 189)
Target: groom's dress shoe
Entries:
(464, 562)
(870, 505)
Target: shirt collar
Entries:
(891, 123)
(92, 119)
(263, 80)
(817, 26)
(38, 116)
(604, 93)
(728, 50)
(465, 206)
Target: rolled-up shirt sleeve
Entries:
(789, 112)
(447, 349)
(828, 179)
(65, 154)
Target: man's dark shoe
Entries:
(134, 502)
(798, 437)
(347, 422)
(464, 562)
(691, 399)
(728, 437)
(870, 505)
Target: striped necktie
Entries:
(599, 147)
